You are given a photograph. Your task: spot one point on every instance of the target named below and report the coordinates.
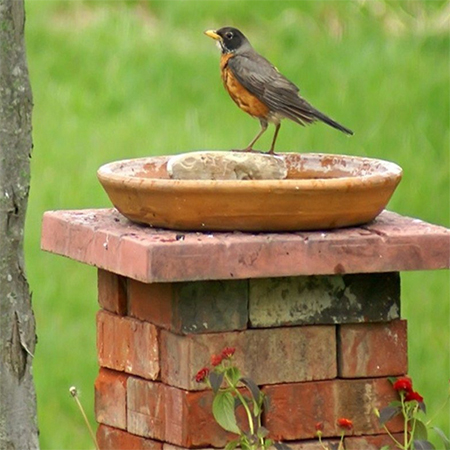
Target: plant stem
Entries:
(321, 442)
(396, 442)
(413, 428)
(244, 404)
(73, 391)
(405, 421)
(341, 442)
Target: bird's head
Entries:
(230, 40)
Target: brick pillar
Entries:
(321, 347)
(314, 317)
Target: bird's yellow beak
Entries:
(213, 34)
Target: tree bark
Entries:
(18, 423)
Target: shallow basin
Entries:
(321, 191)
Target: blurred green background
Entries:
(124, 79)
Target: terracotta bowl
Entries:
(321, 191)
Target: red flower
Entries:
(228, 352)
(410, 396)
(216, 360)
(345, 423)
(201, 375)
(319, 426)
(403, 384)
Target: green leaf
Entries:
(420, 431)
(262, 432)
(245, 445)
(233, 374)
(223, 411)
(423, 407)
(385, 447)
(388, 413)
(252, 387)
(216, 380)
(232, 445)
(238, 402)
(444, 438)
(423, 445)
(396, 403)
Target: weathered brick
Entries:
(173, 415)
(151, 302)
(267, 356)
(129, 345)
(295, 408)
(313, 444)
(176, 447)
(191, 307)
(113, 439)
(325, 299)
(372, 350)
(112, 340)
(112, 292)
(111, 398)
(146, 408)
(189, 420)
(303, 445)
(357, 399)
(106, 239)
(372, 442)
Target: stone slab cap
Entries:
(105, 239)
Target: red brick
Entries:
(189, 420)
(173, 415)
(151, 302)
(146, 408)
(143, 355)
(313, 444)
(357, 399)
(267, 356)
(112, 292)
(304, 445)
(111, 398)
(372, 350)
(176, 447)
(112, 341)
(113, 439)
(372, 442)
(295, 408)
(193, 307)
(103, 238)
(128, 345)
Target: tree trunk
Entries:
(18, 424)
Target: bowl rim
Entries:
(393, 173)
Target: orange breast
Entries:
(243, 98)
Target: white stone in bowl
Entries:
(216, 165)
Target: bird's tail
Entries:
(331, 122)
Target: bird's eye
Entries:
(229, 35)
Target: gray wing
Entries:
(264, 81)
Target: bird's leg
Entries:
(277, 129)
(249, 147)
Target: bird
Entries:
(259, 89)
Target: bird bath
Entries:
(320, 191)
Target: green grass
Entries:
(115, 80)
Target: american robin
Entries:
(259, 89)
